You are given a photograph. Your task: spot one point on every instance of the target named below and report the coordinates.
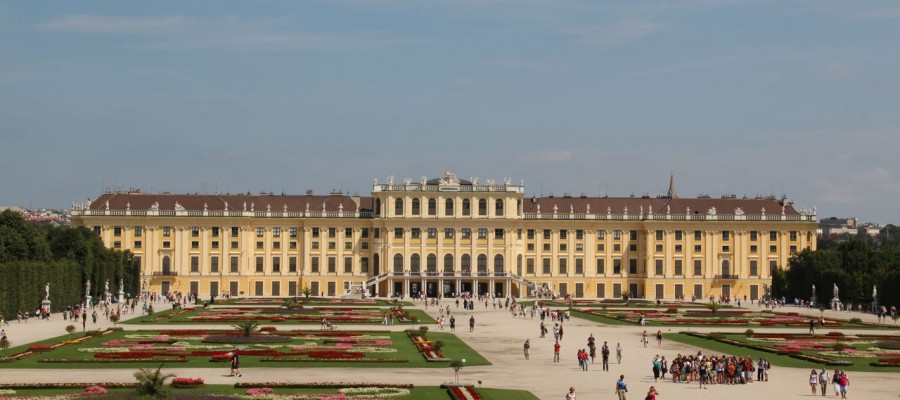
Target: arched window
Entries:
(431, 264)
(398, 207)
(415, 264)
(726, 268)
(415, 207)
(466, 207)
(377, 206)
(498, 264)
(432, 207)
(482, 264)
(398, 263)
(482, 207)
(166, 265)
(466, 264)
(448, 207)
(448, 264)
(498, 208)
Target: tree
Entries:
(151, 382)
(457, 365)
(247, 328)
(4, 344)
(306, 291)
(625, 296)
(70, 329)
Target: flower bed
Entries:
(463, 393)
(184, 382)
(688, 317)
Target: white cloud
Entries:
(113, 24)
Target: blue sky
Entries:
(733, 96)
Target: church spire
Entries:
(673, 194)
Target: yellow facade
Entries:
(448, 236)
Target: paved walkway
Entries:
(499, 337)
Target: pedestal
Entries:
(812, 302)
(87, 301)
(835, 304)
(121, 297)
(46, 305)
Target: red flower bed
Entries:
(890, 361)
(269, 352)
(183, 381)
(209, 353)
(124, 355)
(464, 393)
(336, 355)
(40, 347)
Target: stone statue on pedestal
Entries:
(47, 291)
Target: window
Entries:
(529, 266)
(137, 244)
(601, 290)
(416, 233)
(167, 244)
(793, 236)
(260, 232)
(754, 268)
(364, 265)
(117, 244)
(563, 234)
(678, 248)
(292, 264)
(365, 233)
(332, 265)
(448, 207)
(698, 248)
(726, 249)
(601, 247)
(398, 207)
(215, 231)
(546, 266)
(601, 266)
(632, 266)
(773, 264)
(315, 232)
(332, 246)
(214, 264)
(773, 249)
(348, 232)
(498, 233)
(234, 264)
(698, 267)
(530, 246)
(530, 234)
(659, 267)
(448, 233)
(617, 234)
(398, 232)
(432, 233)
(579, 247)
(753, 248)
(546, 246)
(563, 247)
(235, 231)
(259, 245)
(314, 264)
(138, 231)
(546, 234)
(659, 235)
(617, 265)
(276, 232)
(773, 235)
(632, 247)
(753, 235)
(679, 267)
(117, 231)
(698, 235)
(498, 208)
(726, 235)
(579, 234)
(415, 207)
(234, 244)
(167, 231)
(276, 288)
(482, 233)
(601, 234)
(348, 245)
(348, 264)
(276, 264)
(632, 235)
(617, 248)
(276, 245)
(195, 231)
(563, 266)
(332, 232)
(482, 207)
(364, 245)
(793, 249)
(579, 266)
(215, 244)
(195, 244)
(259, 264)
(659, 248)
(377, 233)
(432, 207)
(679, 235)
(466, 233)
(466, 207)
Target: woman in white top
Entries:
(813, 381)
(571, 394)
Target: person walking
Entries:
(472, 324)
(452, 323)
(823, 381)
(814, 382)
(836, 382)
(845, 384)
(812, 326)
(526, 347)
(604, 354)
(621, 387)
(235, 364)
(652, 393)
(659, 338)
(619, 352)
(556, 352)
(644, 339)
(571, 394)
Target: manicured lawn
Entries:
(323, 301)
(673, 316)
(197, 348)
(338, 315)
(415, 393)
(760, 348)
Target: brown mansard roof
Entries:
(235, 202)
(658, 206)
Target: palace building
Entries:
(446, 236)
